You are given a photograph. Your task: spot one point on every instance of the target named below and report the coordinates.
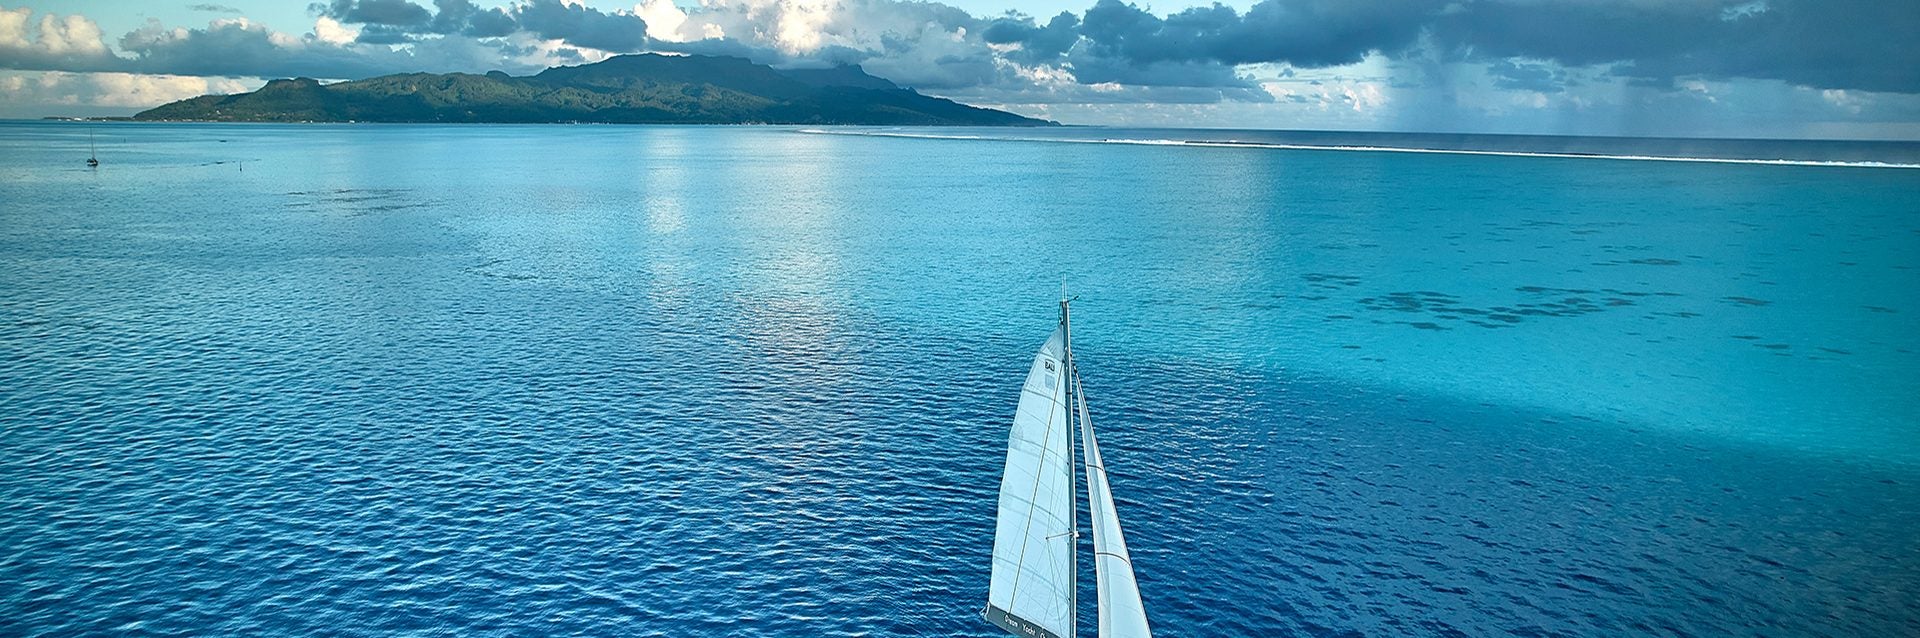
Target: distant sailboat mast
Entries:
(93, 158)
(1034, 573)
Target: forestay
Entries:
(1031, 592)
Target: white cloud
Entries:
(1844, 100)
(330, 31)
(13, 27)
(1530, 99)
(664, 19)
(916, 43)
(801, 24)
(74, 34)
(1744, 10)
(145, 91)
(107, 92)
(1364, 97)
(1047, 75)
(1360, 97)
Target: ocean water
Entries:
(683, 381)
(1853, 153)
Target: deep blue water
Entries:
(661, 381)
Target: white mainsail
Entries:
(1031, 591)
(1121, 614)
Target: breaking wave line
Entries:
(1370, 149)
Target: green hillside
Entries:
(644, 88)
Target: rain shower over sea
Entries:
(716, 381)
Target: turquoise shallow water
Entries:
(672, 381)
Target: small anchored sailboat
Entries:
(93, 159)
(1033, 589)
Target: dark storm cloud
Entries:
(1038, 44)
(1098, 61)
(1576, 33)
(466, 18)
(1832, 44)
(582, 26)
(29, 59)
(1842, 44)
(394, 21)
(240, 50)
(392, 13)
(1838, 44)
(1098, 70)
(1307, 33)
(1526, 76)
(383, 34)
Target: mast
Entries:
(1068, 374)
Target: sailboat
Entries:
(1033, 591)
(93, 159)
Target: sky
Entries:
(1830, 69)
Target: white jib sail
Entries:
(1121, 614)
(1031, 593)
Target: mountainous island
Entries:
(638, 89)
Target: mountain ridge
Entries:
(638, 89)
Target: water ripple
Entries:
(319, 401)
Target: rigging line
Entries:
(1081, 393)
